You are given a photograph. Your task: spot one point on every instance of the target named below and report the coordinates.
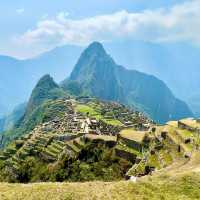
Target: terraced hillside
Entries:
(84, 139)
(97, 140)
(71, 135)
(178, 181)
(162, 162)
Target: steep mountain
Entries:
(38, 109)
(98, 75)
(162, 60)
(90, 139)
(165, 61)
(81, 139)
(45, 89)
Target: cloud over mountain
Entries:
(177, 23)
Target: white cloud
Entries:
(20, 10)
(178, 23)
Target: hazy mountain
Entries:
(8, 122)
(2, 110)
(170, 62)
(98, 75)
(2, 122)
(18, 77)
(177, 64)
(41, 92)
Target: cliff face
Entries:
(100, 76)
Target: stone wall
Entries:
(131, 143)
(107, 143)
(68, 137)
(125, 155)
(185, 126)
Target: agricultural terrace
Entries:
(92, 111)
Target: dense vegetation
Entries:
(84, 139)
(39, 109)
(94, 162)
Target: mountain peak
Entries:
(95, 44)
(92, 58)
(45, 78)
(95, 48)
(100, 76)
(41, 91)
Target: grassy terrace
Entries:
(166, 157)
(96, 113)
(131, 134)
(185, 187)
(78, 143)
(101, 137)
(70, 146)
(137, 169)
(128, 149)
(177, 138)
(173, 123)
(185, 133)
(154, 161)
(190, 122)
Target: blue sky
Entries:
(32, 27)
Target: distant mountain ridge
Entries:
(8, 122)
(98, 75)
(18, 77)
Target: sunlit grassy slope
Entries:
(96, 114)
(180, 181)
(184, 187)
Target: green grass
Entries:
(78, 143)
(151, 188)
(153, 161)
(128, 149)
(72, 147)
(113, 122)
(137, 169)
(131, 134)
(86, 109)
(57, 146)
(53, 150)
(185, 134)
(95, 113)
(191, 123)
(166, 157)
(101, 137)
(49, 153)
